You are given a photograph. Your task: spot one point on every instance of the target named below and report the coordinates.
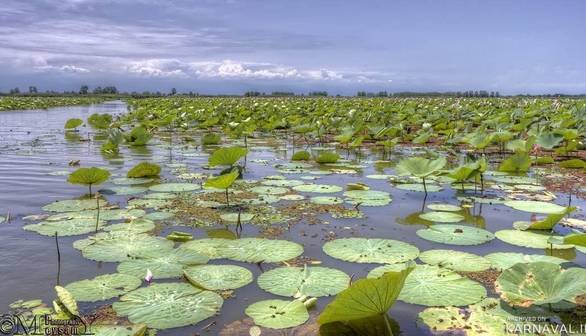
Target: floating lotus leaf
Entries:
(363, 250)
(544, 224)
(536, 207)
(210, 247)
(131, 181)
(311, 281)
(504, 260)
(269, 190)
(367, 194)
(370, 202)
(435, 286)
(115, 330)
(455, 234)
(128, 190)
(261, 250)
(418, 187)
(540, 283)
(318, 188)
(168, 265)
(441, 217)
(292, 197)
(366, 298)
(487, 317)
(455, 260)
(160, 196)
(107, 215)
(278, 314)
(326, 200)
(148, 203)
(71, 227)
(532, 239)
(103, 287)
(159, 215)
(168, 305)
(282, 183)
(233, 217)
(2, 219)
(379, 176)
(140, 225)
(218, 277)
(174, 187)
(73, 205)
(443, 207)
(124, 247)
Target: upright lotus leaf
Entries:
(257, 250)
(226, 156)
(578, 239)
(223, 181)
(503, 260)
(363, 250)
(540, 283)
(138, 136)
(144, 169)
(487, 317)
(517, 163)
(168, 305)
(455, 234)
(162, 266)
(545, 224)
(549, 140)
(313, 281)
(89, 176)
(531, 239)
(67, 300)
(536, 207)
(103, 287)
(99, 121)
(435, 286)
(218, 277)
(278, 314)
(327, 157)
(73, 123)
(366, 298)
(455, 260)
(420, 167)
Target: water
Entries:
(33, 144)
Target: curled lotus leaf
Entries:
(168, 305)
(218, 277)
(103, 287)
(531, 239)
(364, 250)
(311, 281)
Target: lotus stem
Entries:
(227, 199)
(98, 211)
(424, 186)
(58, 258)
(388, 324)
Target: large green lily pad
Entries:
(73, 205)
(441, 217)
(363, 250)
(504, 260)
(532, 239)
(261, 250)
(435, 286)
(103, 287)
(174, 187)
(269, 190)
(218, 277)
(162, 266)
(168, 305)
(455, 234)
(318, 188)
(282, 183)
(278, 314)
(540, 283)
(132, 180)
(140, 225)
(536, 207)
(125, 247)
(418, 187)
(443, 207)
(312, 281)
(210, 247)
(455, 260)
(71, 227)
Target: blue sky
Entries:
(230, 46)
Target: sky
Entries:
(343, 46)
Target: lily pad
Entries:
(455, 234)
(418, 187)
(441, 217)
(168, 305)
(125, 247)
(233, 217)
(210, 247)
(504, 260)
(278, 314)
(162, 266)
(103, 287)
(218, 277)
(118, 330)
(269, 190)
(128, 190)
(363, 250)
(132, 181)
(326, 200)
(282, 183)
(140, 225)
(72, 227)
(540, 283)
(311, 281)
(261, 250)
(73, 205)
(455, 260)
(536, 207)
(443, 207)
(159, 215)
(530, 239)
(318, 188)
(174, 187)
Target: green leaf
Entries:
(103, 287)
(420, 167)
(363, 250)
(327, 157)
(455, 260)
(139, 136)
(549, 140)
(67, 300)
(144, 169)
(312, 281)
(517, 163)
(545, 224)
(218, 277)
(223, 181)
(73, 123)
(365, 298)
(455, 234)
(89, 176)
(278, 314)
(226, 156)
